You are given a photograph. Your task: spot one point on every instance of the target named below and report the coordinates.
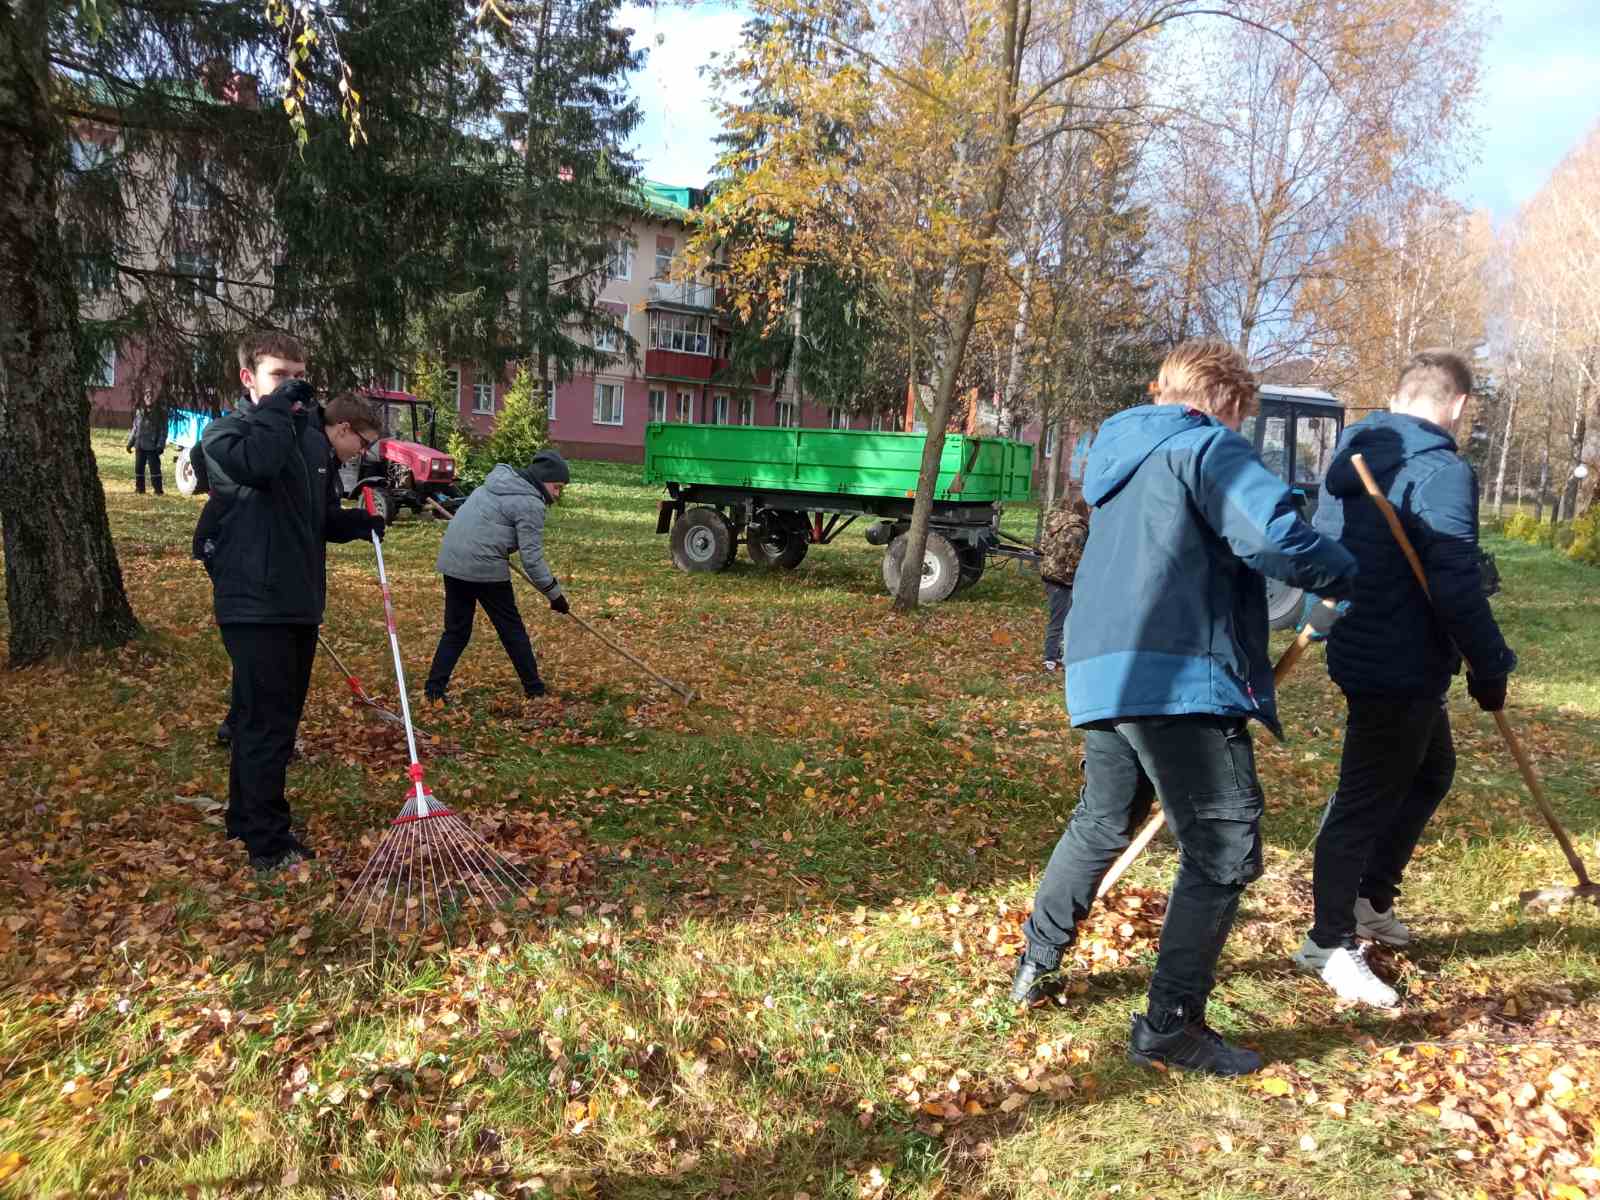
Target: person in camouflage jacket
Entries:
(1066, 529)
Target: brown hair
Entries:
(1435, 377)
(1209, 375)
(360, 412)
(253, 347)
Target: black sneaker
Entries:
(224, 734)
(536, 690)
(1033, 983)
(1194, 1046)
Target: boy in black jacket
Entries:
(1393, 656)
(274, 468)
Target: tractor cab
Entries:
(403, 472)
(1295, 432)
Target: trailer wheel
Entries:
(183, 470)
(777, 540)
(702, 540)
(941, 568)
(1283, 604)
(972, 560)
(384, 501)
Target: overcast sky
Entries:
(1541, 92)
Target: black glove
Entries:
(1489, 693)
(376, 525)
(558, 603)
(286, 395)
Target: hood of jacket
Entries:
(1384, 440)
(506, 480)
(1128, 438)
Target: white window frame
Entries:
(719, 410)
(656, 398)
(664, 262)
(620, 255)
(452, 383)
(397, 380)
(107, 376)
(88, 153)
(189, 264)
(680, 333)
(838, 418)
(786, 414)
(685, 409)
(1047, 444)
(877, 422)
(189, 178)
(607, 340)
(483, 382)
(604, 395)
(747, 410)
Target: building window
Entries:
(678, 331)
(104, 374)
(94, 274)
(198, 274)
(722, 345)
(483, 391)
(686, 407)
(452, 387)
(877, 422)
(1047, 446)
(786, 413)
(719, 410)
(606, 339)
(189, 187)
(89, 153)
(747, 411)
(658, 405)
(665, 247)
(619, 263)
(838, 418)
(608, 404)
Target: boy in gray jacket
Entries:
(505, 514)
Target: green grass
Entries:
(780, 944)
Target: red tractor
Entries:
(401, 473)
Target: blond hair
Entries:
(1209, 375)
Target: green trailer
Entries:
(778, 492)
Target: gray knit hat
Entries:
(547, 467)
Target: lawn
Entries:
(769, 950)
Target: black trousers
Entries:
(1060, 599)
(461, 600)
(152, 460)
(1397, 765)
(1203, 768)
(271, 674)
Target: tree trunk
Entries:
(965, 313)
(63, 584)
(1505, 453)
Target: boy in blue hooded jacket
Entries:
(1166, 664)
(1393, 656)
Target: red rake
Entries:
(429, 864)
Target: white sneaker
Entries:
(1310, 957)
(1050, 665)
(1378, 926)
(1347, 973)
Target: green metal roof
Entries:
(664, 199)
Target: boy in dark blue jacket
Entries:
(1166, 664)
(1393, 656)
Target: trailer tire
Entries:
(1283, 604)
(386, 504)
(972, 560)
(183, 473)
(702, 540)
(777, 540)
(941, 568)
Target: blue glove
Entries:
(1321, 615)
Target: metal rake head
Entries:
(430, 868)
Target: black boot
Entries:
(224, 734)
(1190, 1046)
(1032, 983)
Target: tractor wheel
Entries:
(777, 540)
(1283, 604)
(972, 560)
(941, 568)
(702, 540)
(385, 504)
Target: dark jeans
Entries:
(1060, 599)
(1204, 771)
(1398, 762)
(271, 674)
(152, 460)
(461, 599)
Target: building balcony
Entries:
(675, 364)
(691, 294)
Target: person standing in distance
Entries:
(1166, 665)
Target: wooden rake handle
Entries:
(1513, 743)
(1280, 672)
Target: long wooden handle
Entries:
(1513, 743)
(686, 693)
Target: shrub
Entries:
(522, 428)
(1585, 545)
(1523, 528)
